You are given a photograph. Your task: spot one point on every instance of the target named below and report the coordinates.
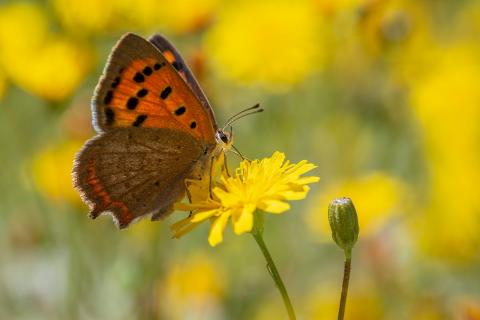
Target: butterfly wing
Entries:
(139, 88)
(175, 59)
(131, 172)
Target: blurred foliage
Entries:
(381, 94)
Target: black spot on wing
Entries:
(140, 119)
(142, 93)
(109, 116)
(193, 125)
(132, 103)
(147, 71)
(138, 77)
(157, 66)
(166, 92)
(108, 97)
(116, 82)
(180, 110)
(177, 65)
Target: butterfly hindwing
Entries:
(175, 59)
(139, 88)
(131, 172)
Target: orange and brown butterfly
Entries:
(155, 130)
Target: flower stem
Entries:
(346, 280)
(257, 233)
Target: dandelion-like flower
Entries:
(260, 184)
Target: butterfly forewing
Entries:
(175, 59)
(131, 172)
(140, 88)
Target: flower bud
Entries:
(344, 223)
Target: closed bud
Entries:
(343, 220)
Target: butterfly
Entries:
(156, 129)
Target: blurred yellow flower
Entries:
(265, 185)
(332, 7)
(445, 99)
(274, 43)
(193, 288)
(377, 197)
(42, 63)
(392, 22)
(53, 72)
(109, 16)
(51, 169)
(85, 16)
(23, 26)
(180, 16)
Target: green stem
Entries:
(257, 232)
(346, 280)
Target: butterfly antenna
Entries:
(242, 114)
(232, 118)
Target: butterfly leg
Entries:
(210, 182)
(226, 164)
(189, 195)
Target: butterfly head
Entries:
(224, 139)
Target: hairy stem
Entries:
(346, 280)
(257, 233)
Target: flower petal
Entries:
(295, 194)
(216, 230)
(182, 227)
(274, 206)
(243, 220)
(199, 217)
(307, 180)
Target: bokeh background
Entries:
(383, 96)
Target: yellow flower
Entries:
(183, 16)
(445, 100)
(85, 16)
(192, 288)
(22, 19)
(265, 185)
(51, 172)
(91, 16)
(392, 22)
(40, 62)
(332, 7)
(377, 197)
(274, 43)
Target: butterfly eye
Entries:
(222, 136)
